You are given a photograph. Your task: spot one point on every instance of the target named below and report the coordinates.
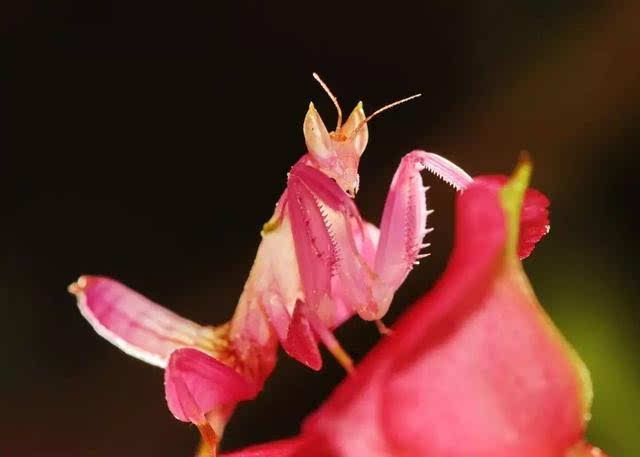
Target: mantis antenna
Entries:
(380, 110)
(333, 99)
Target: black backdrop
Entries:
(149, 141)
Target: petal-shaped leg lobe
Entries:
(196, 383)
(296, 333)
(135, 324)
(301, 343)
(327, 337)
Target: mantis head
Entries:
(337, 154)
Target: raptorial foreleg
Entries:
(404, 224)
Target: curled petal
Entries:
(534, 219)
(196, 383)
(135, 324)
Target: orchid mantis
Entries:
(318, 264)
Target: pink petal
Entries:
(196, 383)
(135, 324)
(534, 220)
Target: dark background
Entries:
(149, 141)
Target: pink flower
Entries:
(475, 368)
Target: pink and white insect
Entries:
(318, 264)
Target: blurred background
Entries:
(149, 142)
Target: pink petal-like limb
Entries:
(196, 384)
(135, 324)
(404, 221)
(301, 343)
(315, 248)
(313, 321)
(317, 256)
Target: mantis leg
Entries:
(404, 220)
(299, 334)
(137, 325)
(325, 335)
(317, 257)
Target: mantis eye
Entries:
(316, 135)
(355, 129)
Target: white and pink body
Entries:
(318, 264)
